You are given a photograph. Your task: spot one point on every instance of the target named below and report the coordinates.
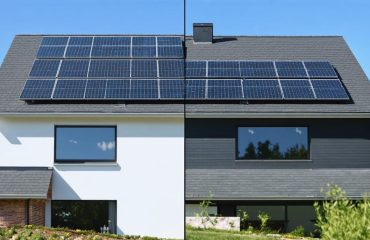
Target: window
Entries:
(83, 144)
(77, 214)
(273, 143)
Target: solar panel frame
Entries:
(291, 69)
(54, 41)
(257, 69)
(109, 68)
(144, 68)
(329, 89)
(144, 89)
(144, 41)
(78, 52)
(297, 89)
(80, 41)
(35, 89)
(195, 89)
(111, 52)
(266, 89)
(95, 89)
(224, 89)
(223, 69)
(44, 68)
(74, 68)
(196, 69)
(118, 89)
(171, 68)
(69, 89)
(144, 51)
(170, 51)
(171, 89)
(169, 41)
(50, 52)
(112, 41)
(320, 69)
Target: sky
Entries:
(347, 18)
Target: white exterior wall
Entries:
(147, 181)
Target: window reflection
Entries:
(272, 143)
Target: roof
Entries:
(24, 183)
(273, 184)
(19, 60)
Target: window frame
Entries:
(276, 126)
(79, 161)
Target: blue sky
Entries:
(349, 18)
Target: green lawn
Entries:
(200, 234)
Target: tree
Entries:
(250, 152)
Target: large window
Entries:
(86, 215)
(82, 144)
(273, 143)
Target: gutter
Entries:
(279, 115)
(22, 196)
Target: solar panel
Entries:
(37, 89)
(196, 69)
(144, 51)
(86, 41)
(78, 51)
(257, 69)
(297, 89)
(223, 69)
(143, 41)
(173, 41)
(261, 89)
(118, 89)
(170, 51)
(171, 68)
(95, 89)
(144, 89)
(320, 69)
(109, 68)
(144, 68)
(329, 89)
(45, 68)
(195, 89)
(50, 52)
(290, 69)
(69, 89)
(112, 41)
(54, 41)
(74, 68)
(111, 51)
(172, 89)
(225, 89)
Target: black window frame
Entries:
(77, 161)
(276, 126)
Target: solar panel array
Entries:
(152, 68)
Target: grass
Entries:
(213, 234)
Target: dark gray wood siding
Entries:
(334, 143)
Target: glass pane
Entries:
(85, 144)
(273, 143)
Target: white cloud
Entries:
(72, 141)
(251, 131)
(104, 146)
(299, 131)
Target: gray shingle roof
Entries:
(24, 182)
(283, 184)
(19, 60)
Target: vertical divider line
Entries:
(184, 106)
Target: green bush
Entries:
(298, 231)
(264, 218)
(243, 215)
(343, 219)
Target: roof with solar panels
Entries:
(157, 74)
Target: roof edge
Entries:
(280, 115)
(95, 114)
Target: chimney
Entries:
(203, 32)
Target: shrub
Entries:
(340, 218)
(264, 218)
(298, 231)
(243, 215)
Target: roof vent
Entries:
(203, 32)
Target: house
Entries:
(274, 153)
(88, 163)
(103, 122)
